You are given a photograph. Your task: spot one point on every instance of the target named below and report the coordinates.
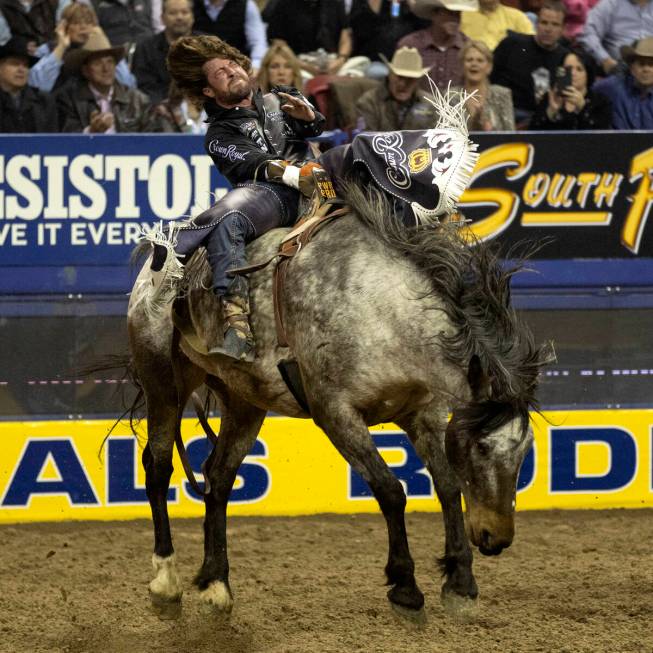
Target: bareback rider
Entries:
(258, 142)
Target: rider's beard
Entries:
(236, 92)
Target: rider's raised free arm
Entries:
(301, 128)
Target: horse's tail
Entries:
(133, 408)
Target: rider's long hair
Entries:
(186, 59)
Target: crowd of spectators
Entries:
(99, 66)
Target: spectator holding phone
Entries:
(569, 103)
(526, 63)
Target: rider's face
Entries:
(226, 82)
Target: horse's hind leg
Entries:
(349, 433)
(165, 587)
(239, 427)
(157, 379)
(459, 591)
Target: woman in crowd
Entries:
(574, 106)
(490, 109)
(280, 67)
(77, 22)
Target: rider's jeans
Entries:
(245, 213)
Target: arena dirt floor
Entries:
(572, 582)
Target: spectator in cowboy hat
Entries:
(441, 43)
(77, 23)
(631, 94)
(398, 103)
(23, 109)
(98, 103)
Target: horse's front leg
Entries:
(239, 427)
(459, 591)
(350, 435)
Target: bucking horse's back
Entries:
(357, 315)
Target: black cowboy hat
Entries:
(16, 46)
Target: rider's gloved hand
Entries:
(292, 175)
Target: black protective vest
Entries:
(230, 26)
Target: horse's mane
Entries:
(474, 288)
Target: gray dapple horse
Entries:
(387, 324)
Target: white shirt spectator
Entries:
(614, 23)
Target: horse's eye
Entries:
(483, 448)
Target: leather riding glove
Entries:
(292, 175)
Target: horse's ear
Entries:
(479, 382)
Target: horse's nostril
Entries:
(485, 538)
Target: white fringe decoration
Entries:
(165, 282)
(452, 122)
(450, 105)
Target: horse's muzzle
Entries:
(491, 546)
(490, 531)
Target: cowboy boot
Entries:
(238, 340)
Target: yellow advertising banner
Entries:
(62, 470)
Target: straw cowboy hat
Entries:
(97, 45)
(406, 62)
(424, 8)
(643, 48)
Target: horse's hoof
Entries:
(165, 607)
(217, 596)
(417, 617)
(462, 609)
(408, 603)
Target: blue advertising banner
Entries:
(76, 200)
